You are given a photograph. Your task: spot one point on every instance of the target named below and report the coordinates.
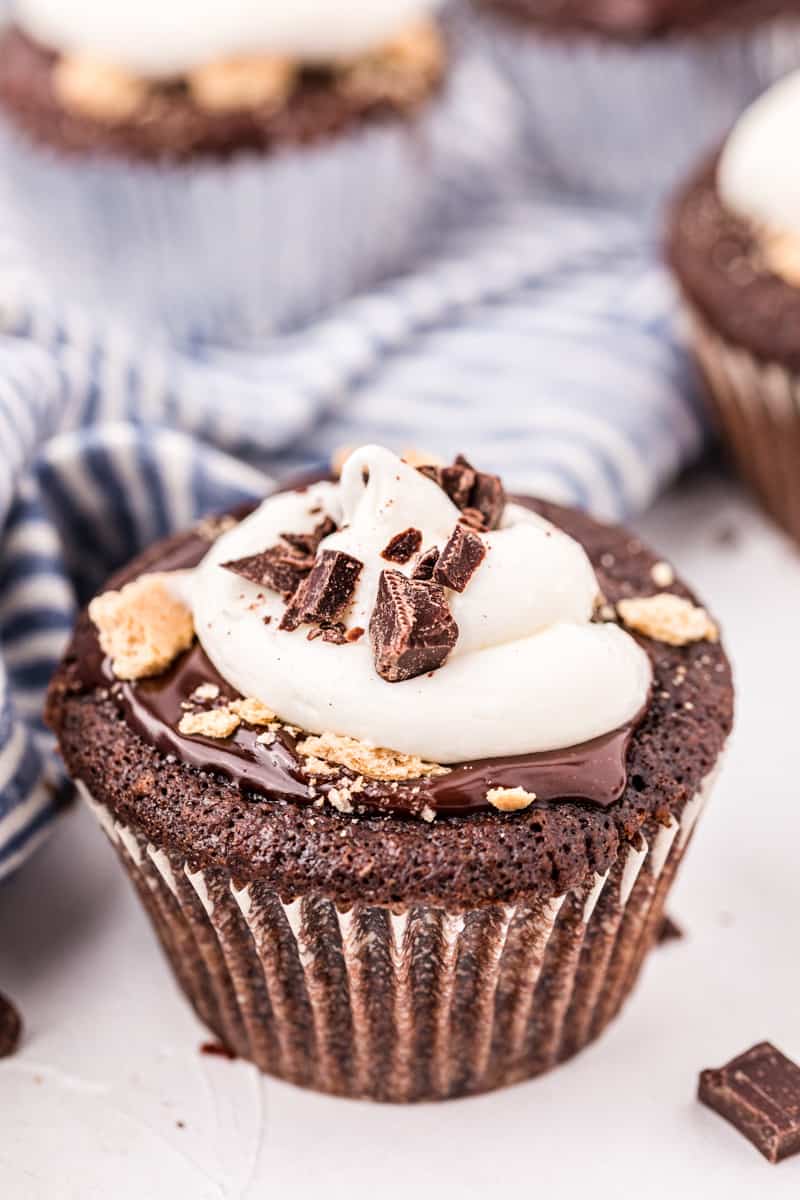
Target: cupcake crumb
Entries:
(669, 619)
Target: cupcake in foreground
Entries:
(734, 245)
(621, 96)
(229, 169)
(402, 770)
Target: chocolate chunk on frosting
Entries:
(403, 546)
(426, 564)
(279, 568)
(308, 543)
(412, 629)
(326, 591)
(479, 495)
(460, 558)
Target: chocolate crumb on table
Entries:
(759, 1093)
(10, 1027)
(218, 1050)
(670, 931)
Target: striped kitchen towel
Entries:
(539, 339)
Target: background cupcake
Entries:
(621, 96)
(734, 244)
(399, 924)
(229, 170)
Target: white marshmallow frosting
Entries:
(529, 671)
(758, 176)
(158, 38)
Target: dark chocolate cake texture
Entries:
(419, 921)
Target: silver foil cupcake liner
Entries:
(627, 121)
(757, 408)
(232, 252)
(405, 1004)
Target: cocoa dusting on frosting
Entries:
(412, 629)
(403, 546)
(460, 558)
(325, 592)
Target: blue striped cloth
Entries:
(541, 340)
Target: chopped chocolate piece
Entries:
(278, 568)
(475, 520)
(462, 555)
(474, 492)
(325, 592)
(355, 634)
(426, 564)
(759, 1093)
(10, 1027)
(669, 931)
(218, 1050)
(308, 543)
(412, 629)
(489, 498)
(403, 546)
(335, 632)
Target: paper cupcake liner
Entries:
(627, 122)
(757, 407)
(233, 252)
(407, 1004)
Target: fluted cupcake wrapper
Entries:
(419, 1003)
(757, 407)
(628, 121)
(232, 252)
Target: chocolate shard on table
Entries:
(426, 564)
(479, 495)
(279, 568)
(670, 931)
(412, 629)
(759, 1093)
(325, 592)
(403, 546)
(460, 558)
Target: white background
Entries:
(90, 1106)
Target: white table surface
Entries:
(109, 1096)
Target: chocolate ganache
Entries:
(592, 773)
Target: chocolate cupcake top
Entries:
(403, 664)
(735, 232)
(180, 79)
(636, 20)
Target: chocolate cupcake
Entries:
(734, 245)
(229, 172)
(622, 96)
(402, 771)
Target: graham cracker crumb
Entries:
(781, 251)
(99, 90)
(428, 814)
(340, 799)
(421, 458)
(211, 528)
(233, 84)
(510, 800)
(143, 627)
(403, 70)
(205, 692)
(213, 723)
(668, 618)
(367, 760)
(267, 738)
(252, 711)
(662, 574)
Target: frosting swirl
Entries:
(758, 176)
(156, 39)
(529, 672)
